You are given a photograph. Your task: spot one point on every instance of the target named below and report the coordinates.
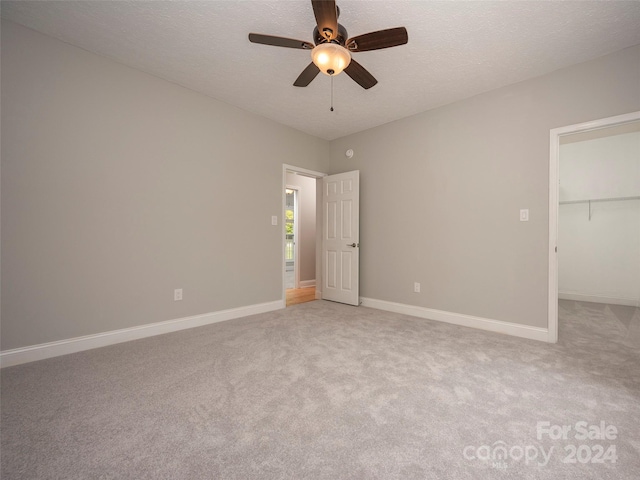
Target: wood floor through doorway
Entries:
(300, 295)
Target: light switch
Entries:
(274, 220)
(524, 215)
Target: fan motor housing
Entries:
(340, 39)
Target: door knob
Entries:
(354, 245)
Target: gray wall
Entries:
(307, 224)
(118, 187)
(441, 191)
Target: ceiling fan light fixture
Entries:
(330, 58)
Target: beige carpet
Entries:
(327, 391)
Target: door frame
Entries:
(313, 174)
(554, 178)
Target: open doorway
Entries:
(301, 234)
(594, 219)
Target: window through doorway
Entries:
(290, 237)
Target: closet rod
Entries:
(614, 199)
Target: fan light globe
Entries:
(330, 58)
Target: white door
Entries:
(341, 237)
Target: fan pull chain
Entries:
(332, 93)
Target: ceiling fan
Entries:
(333, 47)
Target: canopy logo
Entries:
(499, 454)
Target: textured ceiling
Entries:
(455, 50)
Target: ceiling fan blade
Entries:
(326, 14)
(391, 37)
(307, 75)
(279, 41)
(360, 75)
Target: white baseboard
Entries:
(318, 294)
(32, 353)
(307, 283)
(580, 297)
(498, 326)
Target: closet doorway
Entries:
(597, 222)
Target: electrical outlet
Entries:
(177, 294)
(524, 215)
(274, 220)
(416, 287)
